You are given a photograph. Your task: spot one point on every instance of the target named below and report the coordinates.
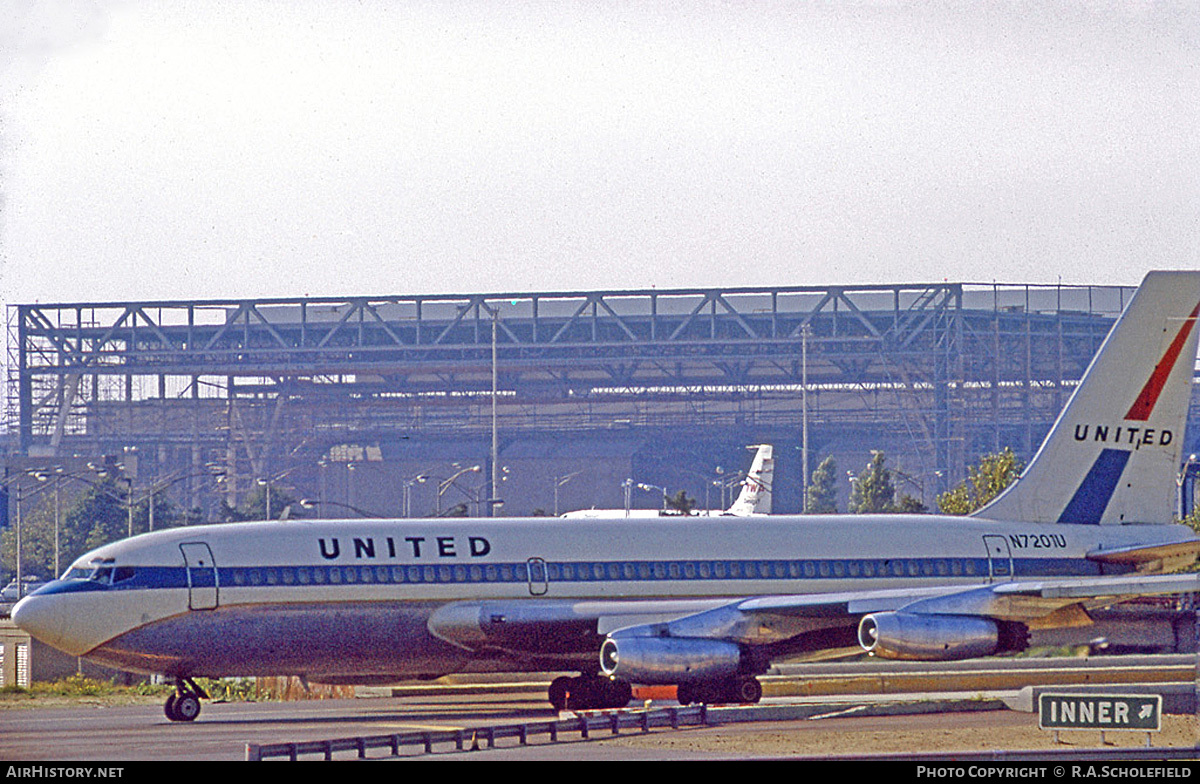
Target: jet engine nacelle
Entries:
(668, 659)
(922, 637)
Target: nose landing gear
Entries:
(184, 704)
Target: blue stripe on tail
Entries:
(1091, 499)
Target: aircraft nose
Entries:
(42, 617)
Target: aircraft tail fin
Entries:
(755, 497)
(1114, 452)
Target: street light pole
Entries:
(20, 535)
(492, 500)
(129, 503)
(57, 513)
(804, 332)
(308, 503)
(663, 490)
(321, 464)
(1181, 481)
(57, 518)
(444, 485)
(495, 439)
(559, 481)
(20, 580)
(419, 479)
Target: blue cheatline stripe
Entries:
(578, 572)
(1091, 499)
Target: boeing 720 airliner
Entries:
(702, 603)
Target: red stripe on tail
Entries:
(1144, 404)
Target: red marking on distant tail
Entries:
(1144, 404)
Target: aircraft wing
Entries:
(944, 622)
(1155, 558)
(924, 624)
(1020, 600)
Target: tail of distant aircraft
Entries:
(755, 497)
(1113, 455)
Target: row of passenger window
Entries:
(782, 570)
(591, 572)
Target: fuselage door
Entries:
(538, 580)
(1000, 561)
(201, 576)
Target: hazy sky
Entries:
(251, 148)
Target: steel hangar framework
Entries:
(305, 387)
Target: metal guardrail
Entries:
(426, 740)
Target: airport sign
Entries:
(1139, 712)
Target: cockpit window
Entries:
(100, 572)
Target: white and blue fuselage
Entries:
(347, 600)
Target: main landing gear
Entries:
(184, 704)
(745, 690)
(589, 692)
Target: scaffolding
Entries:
(939, 372)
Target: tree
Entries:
(1193, 519)
(37, 542)
(101, 513)
(822, 489)
(996, 471)
(873, 491)
(166, 515)
(681, 503)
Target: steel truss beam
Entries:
(951, 364)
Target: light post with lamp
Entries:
(916, 481)
(478, 496)
(58, 475)
(559, 481)
(707, 483)
(308, 503)
(419, 479)
(1180, 481)
(322, 464)
(266, 482)
(102, 472)
(482, 495)
(648, 488)
(157, 486)
(493, 500)
(446, 483)
(151, 491)
(727, 483)
(16, 481)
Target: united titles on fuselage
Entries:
(407, 546)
